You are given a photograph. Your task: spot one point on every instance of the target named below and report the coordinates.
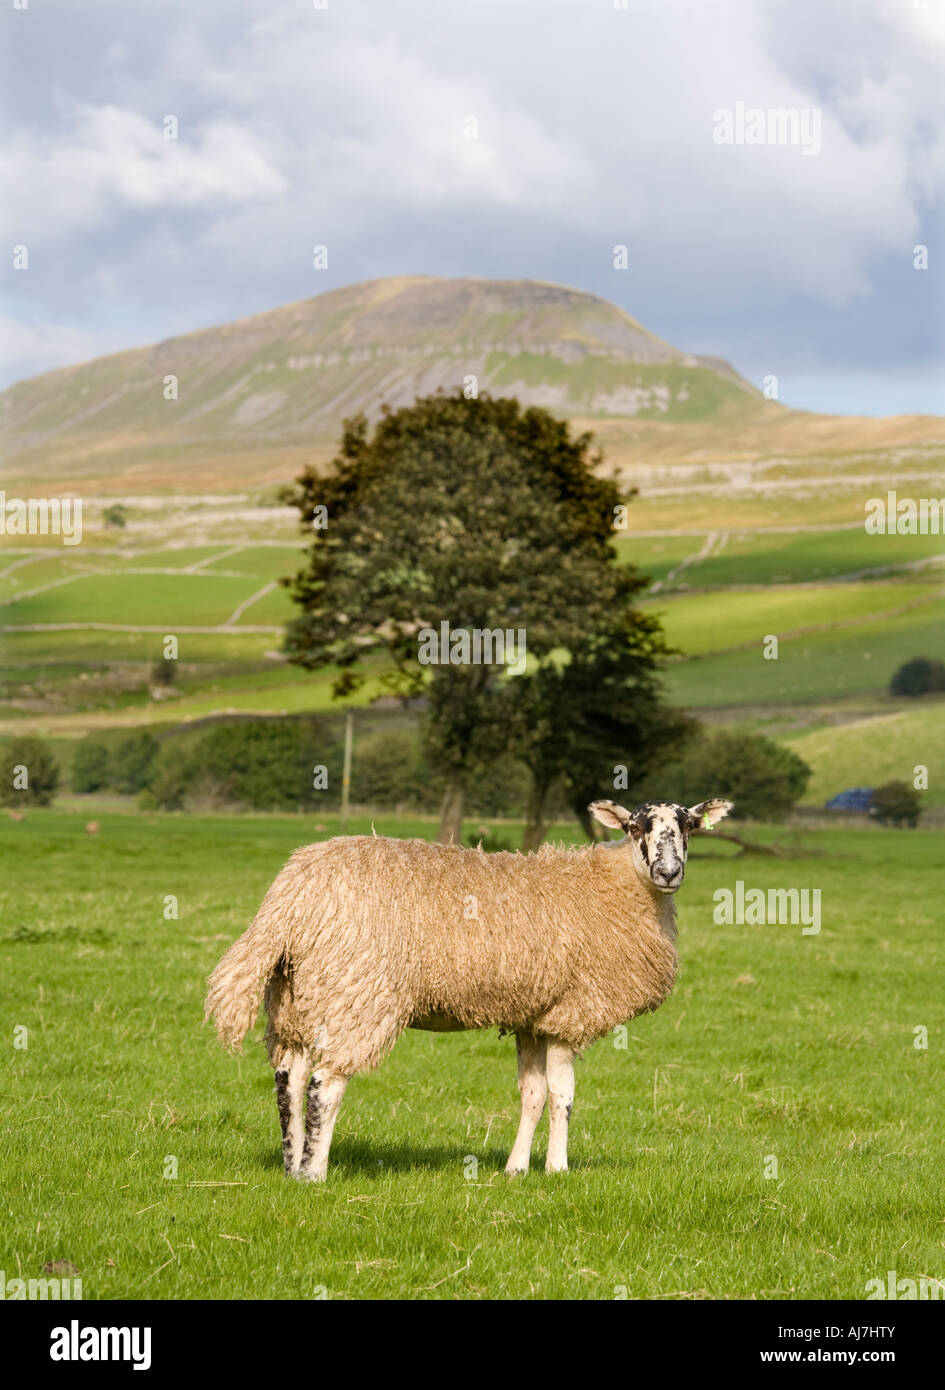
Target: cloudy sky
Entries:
(595, 125)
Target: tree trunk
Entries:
(588, 823)
(451, 815)
(535, 827)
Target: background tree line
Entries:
(295, 764)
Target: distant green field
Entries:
(174, 557)
(22, 578)
(771, 1132)
(843, 661)
(655, 556)
(52, 564)
(264, 561)
(275, 608)
(147, 599)
(66, 683)
(710, 506)
(37, 650)
(869, 752)
(752, 558)
(279, 690)
(701, 623)
(291, 690)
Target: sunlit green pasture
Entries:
(830, 664)
(782, 558)
(773, 1131)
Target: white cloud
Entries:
(595, 127)
(114, 158)
(606, 125)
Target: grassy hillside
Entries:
(876, 750)
(746, 557)
(287, 378)
(719, 621)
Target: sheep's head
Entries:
(658, 835)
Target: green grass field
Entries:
(829, 665)
(702, 623)
(764, 558)
(175, 557)
(843, 630)
(141, 599)
(267, 562)
(655, 556)
(133, 1146)
(43, 651)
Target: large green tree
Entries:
(595, 721)
(470, 512)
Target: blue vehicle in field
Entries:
(853, 799)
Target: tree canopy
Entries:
(480, 515)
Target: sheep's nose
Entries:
(664, 880)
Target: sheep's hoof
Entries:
(515, 1172)
(556, 1167)
(311, 1177)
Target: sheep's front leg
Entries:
(291, 1077)
(560, 1068)
(325, 1091)
(533, 1087)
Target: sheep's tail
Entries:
(234, 988)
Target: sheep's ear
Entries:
(709, 813)
(610, 814)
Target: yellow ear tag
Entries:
(707, 824)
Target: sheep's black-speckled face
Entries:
(660, 834)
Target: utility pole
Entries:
(346, 774)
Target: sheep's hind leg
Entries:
(291, 1077)
(533, 1087)
(560, 1069)
(325, 1091)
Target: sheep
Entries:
(361, 937)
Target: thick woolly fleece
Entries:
(361, 937)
